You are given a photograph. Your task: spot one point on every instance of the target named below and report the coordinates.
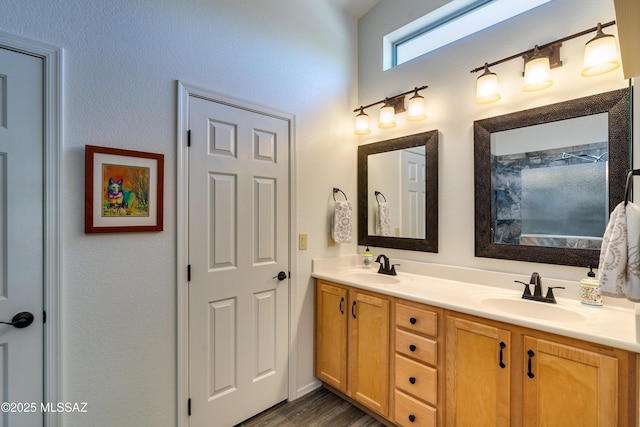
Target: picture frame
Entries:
(123, 190)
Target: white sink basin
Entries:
(532, 309)
(382, 279)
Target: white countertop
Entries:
(492, 295)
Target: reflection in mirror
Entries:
(398, 193)
(549, 183)
(397, 204)
(547, 178)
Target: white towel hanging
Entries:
(619, 266)
(383, 221)
(341, 223)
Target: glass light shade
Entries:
(537, 74)
(387, 117)
(600, 54)
(362, 124)
(416, 108)
(487, 89)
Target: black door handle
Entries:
(530, 353)
(281, 276)
(502, 346)
(341, 303)
(20, 320)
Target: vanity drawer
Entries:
(417, 379)
(417, 319)
(411, 412)
(418, 347)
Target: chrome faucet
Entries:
(536, 281)
(385, 267)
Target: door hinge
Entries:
(189, 138)
(189, 273)
(189, 407)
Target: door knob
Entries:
(281, 276)
(20, 320)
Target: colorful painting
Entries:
(126, 190)
(123, 190)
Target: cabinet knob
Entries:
(413, 320)
(412, 418)
(412, 347)
(412, 380)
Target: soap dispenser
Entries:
(367, 258)
(590, 290)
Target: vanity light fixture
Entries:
(392, 106)
(387, 116)
(601, 56)
(487, 88)
(362, 123)
(416, 109)
(537, 72)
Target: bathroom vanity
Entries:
(418, 349)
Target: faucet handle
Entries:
(392, 272)
(527, 290)
(550, 297)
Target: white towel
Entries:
(383, 221)
(341, 222)
(619, 267)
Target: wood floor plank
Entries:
(320, 408)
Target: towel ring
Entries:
(337, 190)
(377, 193)
(629, 185)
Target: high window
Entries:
(447, 24)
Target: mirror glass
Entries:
(547, 179)
(397, 203)
(398, 193)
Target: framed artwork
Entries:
(123, 190)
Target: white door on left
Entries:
(21, 238)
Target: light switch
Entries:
(302, 242)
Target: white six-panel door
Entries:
(21, 237)
(413, 193)
(238, 243)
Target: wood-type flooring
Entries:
(320, 408)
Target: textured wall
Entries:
(121, 62)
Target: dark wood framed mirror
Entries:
(402, 173)
(546, 179)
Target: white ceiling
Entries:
(355, 8)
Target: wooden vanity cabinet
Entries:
(567, 385)
(478, 374)
(417, 354)
(547, 380)
(331, 334)
(352, 343)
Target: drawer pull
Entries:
(412, 347)
(341, 305)
(530, 353)
(412, 380)
(412, 418)
(502, 346)
(413, 320)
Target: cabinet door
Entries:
(331, 335)
(478, 374)
(369, 351)
(565, 385)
